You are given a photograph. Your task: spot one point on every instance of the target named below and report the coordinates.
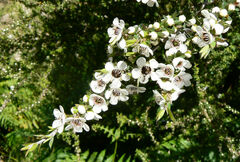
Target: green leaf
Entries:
(51, 142)
(170, 113)
(101, 156)
(205, 51)
(213, 44)
(92, 157)
(130, 53)
(111, 158)
(160, 114)
(117, 133)
(121, 158)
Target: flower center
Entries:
(143, 50)
(77, 122)
(98, 100)
(168, 71)
(101, 83)
(178, 79)
(175, 42)
(146, 70)
(116, 92)
(180, 64)
(205, 37)
(117, 30)
(116, 73)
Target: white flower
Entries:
(231, 7)
(181, 63)
(98, 103)
(116, 94)
(192, 21)
(141, 32)
(170, 21)
(174, 96)
(131, 30)
(98, 86)
(182, 18)
(159, 98)
(145, 70)
(59, 122)
(204, 37)
(150, 3)
(223, 12)
(134, 89)
(90, 115)
(115, 73)
(153, 35)
(77, 124)
(176, 43)
(165, 73)
(156, 25)
(215, 10)
(182, 79)
(143, 49)
(115, 32)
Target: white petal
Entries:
(113, 100)
(144, 79)
(153, 63)
(116, 22)
(107, 94)
(136, 73)
(89, 115)
(122, 65)
(56, 123)
(116, 83)
(183, 48)
(57, 113)
(124, 98)
(109, 66)
(168, 45)
(125, 77)
(181, 37)
(154, 76)
(110, 32)
(81, 109)
(60, 129)
(122, 44)
(141, 61)
(86, 127)
(68, 127)
(96, 109)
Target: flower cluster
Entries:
(141, 63)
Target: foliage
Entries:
(48, 52)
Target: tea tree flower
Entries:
(115, 32)
(223, 12)
(153, 35)
(143, 49)
(134, 89)
(116, 94)
(170, 21)
(165, 71)
(159, 98)
(77, 124)
(204, 37)
(145, 70)
(98, 103)
(181, 63)
(176, 43)
(60, 120)
(116, 73)
(182, 79)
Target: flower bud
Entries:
(192, 21)
(170, 21)
(131, 30)
(85, 98)
(156, 25)
(81, 109)
(153, 35)
(215, 10)
(166, 33)
(224, 13)
(182, 18)
(231, 7)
